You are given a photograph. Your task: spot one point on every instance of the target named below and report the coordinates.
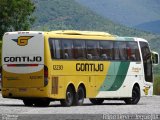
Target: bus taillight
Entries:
(45, 76)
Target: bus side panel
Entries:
(58, 89)
(65, 73)
(133, 75)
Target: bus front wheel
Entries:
(96, 101)
(135, 96)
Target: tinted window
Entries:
(102, 50)
(92, 49)
(67, 49)
(133, 51)
(51, 43)
(120, 51)
(79, 49)
(55, 48)
(106, 50)
(58, 49)
(147, 63)
(145, 51)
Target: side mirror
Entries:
(155, 58)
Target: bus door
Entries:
(147, 62)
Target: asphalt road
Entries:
(146, 106)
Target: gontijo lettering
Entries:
(89, 67)
(23, 59)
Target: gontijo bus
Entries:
(40, 67)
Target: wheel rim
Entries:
(80, 96)
(69, 97)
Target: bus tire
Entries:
(69, 98)
(42, 103)
(96, 101)
(28, 102)
(135, 96)
(80, 95)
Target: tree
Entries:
(16, 15)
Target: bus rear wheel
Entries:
(96, 101)
(135, 96)
(69, 98)
(80, 96)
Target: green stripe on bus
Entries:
(116, 76)
(111, 76)
(120, 77)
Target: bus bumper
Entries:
(24, 93)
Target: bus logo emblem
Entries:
(22, 40)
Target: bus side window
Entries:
(58, 49)
(51, 44)
(120, 52)
(67, 49)
(92, 49)
(79, 49)
(55, 48)
(106, 50)
(133, 51)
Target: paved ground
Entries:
(147, 105)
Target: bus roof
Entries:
(95, 33)
(78, 32)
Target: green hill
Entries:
(68, 14)
(140, 14)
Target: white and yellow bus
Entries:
(69, 66)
